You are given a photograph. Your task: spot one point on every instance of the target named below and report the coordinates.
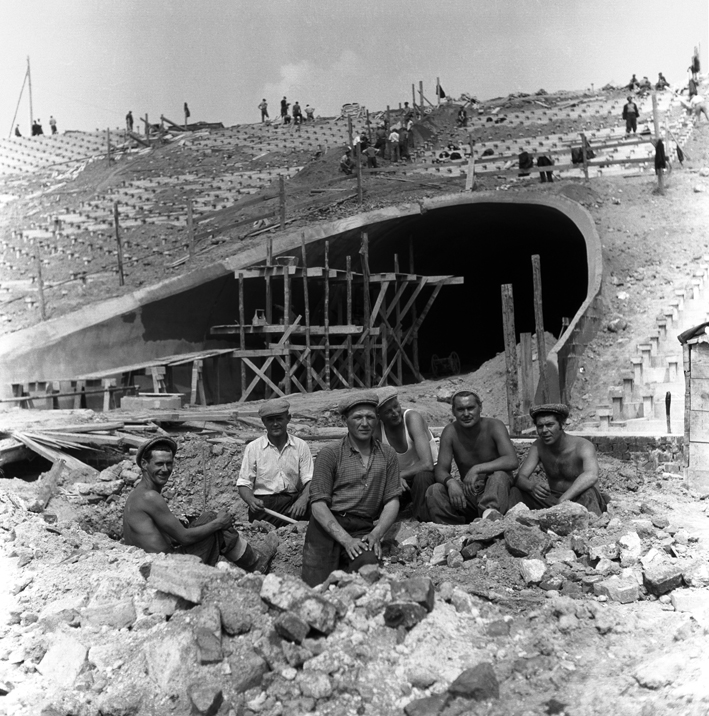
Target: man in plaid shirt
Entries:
(355, 480)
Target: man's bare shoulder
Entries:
(449, 432)
(146, 500)
(493, 425)
(579, 444)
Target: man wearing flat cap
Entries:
(485, 456)
(569, 462)
(416, 448)
(276, 469)
(355, 481)
(149, 524)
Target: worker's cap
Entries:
(277, 406)
(549, 409)
(466, 390)
(363, 397)
(161, 441)
(386, 394)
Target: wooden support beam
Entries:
(526, 372)
(364, 253)
(242, 335)
(282, 200)
(350, 364)
(415, 339)
(109, 400)
(190, 227)
(40, 280)
(117, 231)
(326, 318)
(539, 327)
(158, 374)
(308, 362)
(508, 327)
(197, 394)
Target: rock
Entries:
(440, 553)
(184, 576)
(427, 706)
(486, 530)
(644, 528)
(117, 615)
(682, 537)
(169, 655)
(698, 188)
(405, 614)
(317, 612)
(454, 559)
(693, 601)
(579, 544)
(478, 683)
(206, 698)
(63, 661)
(291, 627)
(659, 521)
(421, 677)
(296, 655)
(697, 574)
(414, 589)
(100, 489)
(616, 325)
(166, 604)
(605, 566)
(238, 608)
(209, 647)
(630, 548)
(370, 573)
(471, 550)
(618, 590)
(315, 684)
(445, 591)
(532, 570)
(662, 577)
(604, 551)
(660, 672)
(523, 541)
(500, 627)
(283, 592)
(704, 172)
(247, 670)
(559, 555)
(649, 556)
(463, 602)
(564, 518)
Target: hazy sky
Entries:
(93, 60)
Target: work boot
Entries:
(492, 515)
(259, 560)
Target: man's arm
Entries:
(300, 506)
(386, 520)
(523, 481)
(156, 508)
(421, 436)
(247, 479)
(506, 460)
(321, 512)
(589, 476)
(442, 470)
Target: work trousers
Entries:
(280, 502)
(591, 499)
(394, 151)
(416, 494)
(209, 548)
(631, 123)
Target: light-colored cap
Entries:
(362, 397)
(277, 406)
(386, 394)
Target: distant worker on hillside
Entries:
(264, 109)
(645, 83)
(695, 66)
(284, 107)
(408, 112)
(393, 145)
(661, 83)
(697, 107)
(569, 462)
(129, 121)
(692, 87)
(630, 115)
(297, 113)
(346, 163)
(404, 144)
(186, 112)
(371, 153)
(53, 124)
(633, 84)
(462, 120)
(309, 113)
(17, 131)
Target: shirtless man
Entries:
(485, 456)
(149, 524)
(416, 449)
(569, 463)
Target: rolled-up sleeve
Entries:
(247, 474)
(392, 487)
(324, 472)
(305, 463)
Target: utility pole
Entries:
(29, 80)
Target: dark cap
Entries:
(162, 440)
(277, 406)
(362, 397)
(549, 408)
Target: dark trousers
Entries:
(495, 495)
(209, 548)
(631, 123)
(416, 494)
(280, 502)
(322, 554)
(591, 499)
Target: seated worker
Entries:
(346, 163)
(462, 120)
(276, 468)
(569, 463)
(149, 524)
(416, 448)
(645, 83)
(355, 481)
(661, 83)
(633, 84)
(485, 456)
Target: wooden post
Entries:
(369, 129)
(584, 155)
(282, 200)
(438, 91)
(421, 100)
(242, 335)
(121, 277)
(308, 361)
(413, 96)
(357, 152)
(470, 179)
(539, 326)
(147, 128)
(414, 318)
(687, 366)
(326, 322)
(388, 122)
(668, 406)
(364, 252)
(40, 280)
(286, 323)
(508, 327)
(267, 279)
(526, 372)
(397, 316)
(350, 358)
(656, 123)
(190, 226)
(108, 146)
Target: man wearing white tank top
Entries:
(416, 448)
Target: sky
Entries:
(93, 60)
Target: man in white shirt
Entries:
(276, 469)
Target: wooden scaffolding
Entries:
(372, 342)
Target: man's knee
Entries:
(437, 493)
(500, 479)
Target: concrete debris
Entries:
(478, 683)
(564, 518)
(618, 590)
(661, 578)
(524, 541)
(533, 570)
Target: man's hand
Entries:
(404, 485)
(474, 482)
(256, 505)
(354, 547)
(373, 542)
(456, 494)
(223, 519)
(299, 508)
(540, 490)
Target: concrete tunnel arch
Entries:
(488, 238)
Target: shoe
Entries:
(266, 552)
(492, 515)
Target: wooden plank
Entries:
(508, 328)
(539, 327)
(415, 337)
(306, 357)
(84, 438)
(85, 427)
(526, 372)
(326, 318)
(242, 337)
(364, 252)
(197, 388)
(47, 486)
(54, 455)
(259, 352)
(350, 364)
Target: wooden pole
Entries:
(438, 91)
(29, 84)
(687, 367)
(108, 146)
(40, 280)
(414, 318)
(421, 100)
(242, 334)
(286, 323)
(147, 128)
(413, 96)
(656, 123)
(267, 279)
(116, 226)
(369, 129)
(539, 326)
(668, 406)
(350, 358)
(584, 155)
(308, 361)
(282, 200)
(388, 121)
(357, 151)
(526, 372)
(364, 252)
(326, 322)
(190, 226)
(470, 179)
(397, 315)
(508, 327)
